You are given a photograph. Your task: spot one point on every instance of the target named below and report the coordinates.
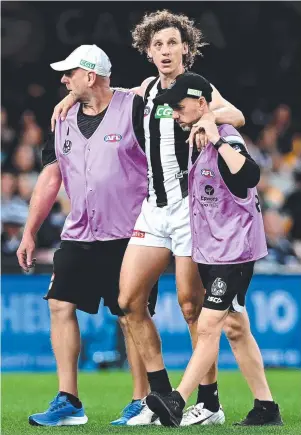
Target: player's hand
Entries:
(25, 253)
(62, 108)
(199, 134)
(204, 131)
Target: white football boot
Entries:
(145, 418)
(197, 414)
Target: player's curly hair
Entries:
(156, 21)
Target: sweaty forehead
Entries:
(169, 32)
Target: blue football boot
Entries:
(61, 412)
(131, 410)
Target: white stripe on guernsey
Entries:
(169, 160)
(234, 139)
(236, 306)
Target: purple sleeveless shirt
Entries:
(105, 176)
(225, 229)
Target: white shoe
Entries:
(197, 414)
(146, 417)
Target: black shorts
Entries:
(226, 285)
(86, 272)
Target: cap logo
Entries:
(194, 92)
(87, 64)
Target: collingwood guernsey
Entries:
(166, 151)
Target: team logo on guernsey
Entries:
(67, 145)
(113, 137)
(163, 112)
(146, 111)
(218, 287)
(181, 174)
(207, 173)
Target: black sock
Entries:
(208, 394)
(268, 404)
(159, 381)
(135, 400)
(72, 399)
(177, 396)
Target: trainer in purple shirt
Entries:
(98, 154)
(228, 237)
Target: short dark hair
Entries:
(155, 21)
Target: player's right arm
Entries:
(62, 108)
(140, 90)
(42, 200)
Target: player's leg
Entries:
(145, 416)
(112, 254)
(141, 268)
(134, 411)
(64, 294)
(170, 408)
(65, 340)
(220, 284)
(146, 258)
(191, 296)
(138, 371)
(248, 356)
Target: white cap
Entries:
(88, 57)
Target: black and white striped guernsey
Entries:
(166, 151)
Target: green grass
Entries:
(105, 394)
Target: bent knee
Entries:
(234, 331)
(61, 308)
(190, 312)
(131, 305)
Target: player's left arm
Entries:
(224, 111)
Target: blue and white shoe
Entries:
(145, 417)
(60, 413)
(131, 410)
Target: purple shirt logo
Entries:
(207, 173)
(209, 189)
(113, 137)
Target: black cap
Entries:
(187, 85)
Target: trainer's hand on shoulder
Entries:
(25, 253)
(62, 108)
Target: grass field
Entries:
(105, 394)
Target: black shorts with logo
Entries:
(86, 272)
(226, 285)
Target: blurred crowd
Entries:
(277, 149)
(21, 164)
(260, 78)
